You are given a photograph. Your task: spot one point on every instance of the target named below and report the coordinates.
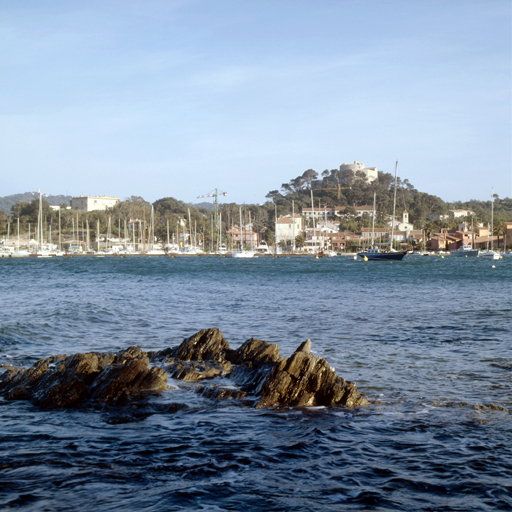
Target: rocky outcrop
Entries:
(66, 381)
(307, 380)
(199, 357)
(205, 345)
(255, 371)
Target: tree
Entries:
(300, 240)
(499, 229)
(273, 194)
(308, 176)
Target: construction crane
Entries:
(215, 193)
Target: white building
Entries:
(404, 225)
(287, 228)
(334, 212)
(460, 213)
(437, 216)
(91, 203)
(371, 172)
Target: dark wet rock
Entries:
(255, 359)
(256, 368)
(193, 371)
(66, 381)
(492, 407)
(205, 345)
(255, 352)
(216, 392)
(7, 377)
(20, 386)
(125, 381)
(505, 366)
(307, 380)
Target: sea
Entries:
(427, 340)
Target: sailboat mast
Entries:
(394, 203)
(189, 228)
(373, 219)
(41, 220)
(250, 231)
(473, 234)
(492, 217)
(313, 214)
(293, 223)
(60, 229)
(241, 231)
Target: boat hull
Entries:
(490, 255)
(243, 254)
(383, 256)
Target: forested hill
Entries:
(349, 189)
(8, 201)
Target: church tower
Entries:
(405, 217)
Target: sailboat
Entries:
(374, 253)
(243, 253)
(42, 251)
(489, 253)
(152, 251)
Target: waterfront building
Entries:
(91, 203)
(340, 240)
(378, 233)
(250, 237)
(288, 227)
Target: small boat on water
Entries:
(465, 250)
(262, 248)
(376, 254)
(490, 255)
(243, 254)
(327, 254)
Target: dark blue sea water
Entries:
(427, 338)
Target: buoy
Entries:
(316, 257)
(442, 257)
(365, 259)
(501, 257)
(494, 266)
(466, 255)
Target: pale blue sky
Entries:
(174, 98)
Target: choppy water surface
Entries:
(427, 338)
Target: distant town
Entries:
(341, 211)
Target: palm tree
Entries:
(300, 240)
(499, 229)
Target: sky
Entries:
(174, 98)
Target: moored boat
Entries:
(464, 250)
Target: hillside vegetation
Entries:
(330, 188)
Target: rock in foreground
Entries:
(256, 368)
(66, 381)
